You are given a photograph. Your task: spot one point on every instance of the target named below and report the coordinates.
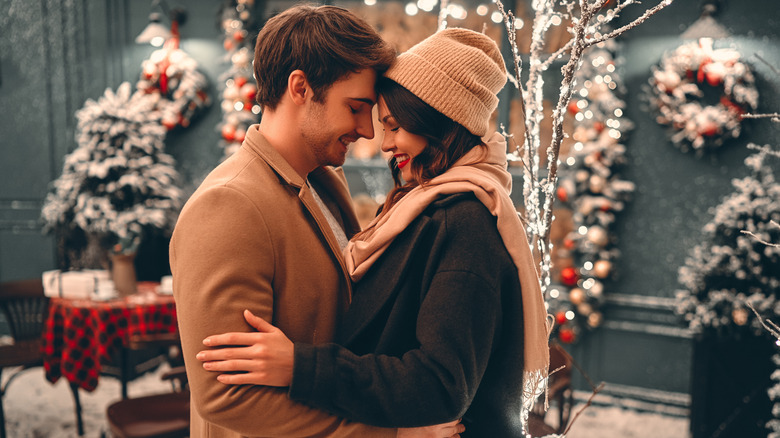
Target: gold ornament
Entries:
(595, 319)
(576, 296)
(602, 268)
(598, 235)
(740, 316)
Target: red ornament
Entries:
(562, 195)
(733, 107)
(700, 74)
(240, 135)
(238, 36)
(573, 108)
(229, 133)
(240, 81)
(568, 243)
(560, 318)
(248, 91)
(709, 130)
(566, 336)
(569, 276)
(713, 79)
(598, 126)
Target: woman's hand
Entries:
(445, 430)
(261, 358)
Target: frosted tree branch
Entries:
(770, 326)
(648, 13)
(586, 22)
(774, 245)
(775, 117)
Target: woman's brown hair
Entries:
(326, 42)
(448, 141)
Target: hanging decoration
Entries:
(174, 75)
(733, 269)
(590, 186)
(701, 93)
(239, 107)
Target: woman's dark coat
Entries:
(434, 332)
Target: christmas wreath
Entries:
(702, 93)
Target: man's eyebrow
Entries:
(364, 100)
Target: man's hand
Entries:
(261, 358)
(445, 430)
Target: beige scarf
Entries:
(487, 177)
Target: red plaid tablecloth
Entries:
(80, 334)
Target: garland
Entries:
(589, 185)
(239, 109)
(688, 75)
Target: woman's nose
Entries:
(387, 144)
(366, 127)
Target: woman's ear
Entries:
(298, 87)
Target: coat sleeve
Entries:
(457, 328)
(222, 264)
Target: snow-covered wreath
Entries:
(683, 91)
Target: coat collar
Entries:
(330, 183)
(257, 143)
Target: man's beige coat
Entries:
(253, 237)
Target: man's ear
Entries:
(298, 87)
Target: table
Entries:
(80, 334)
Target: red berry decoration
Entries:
(569, 276)
(567, 336)
(560, 318)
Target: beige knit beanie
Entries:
(456, 71)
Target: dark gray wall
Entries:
(56, 54)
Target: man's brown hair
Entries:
(327, 43)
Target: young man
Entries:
(266, 229)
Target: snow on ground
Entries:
(34, 408)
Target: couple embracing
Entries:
(294, 321)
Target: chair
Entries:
(560, 394)
(165, 415)
(24, 307)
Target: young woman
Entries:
(447, 319)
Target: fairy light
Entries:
(457, 12)
(482, 10)
(426, 5)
